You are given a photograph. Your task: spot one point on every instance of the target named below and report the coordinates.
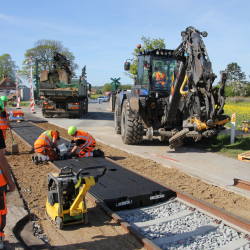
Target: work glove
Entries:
(58, 151)
(72, 141)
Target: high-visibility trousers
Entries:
(47, 151)
(88, 151)
(3, 213)
(4, 133)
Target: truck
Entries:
(173, 98)
(63, 96)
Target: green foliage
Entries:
(229, 92)
(234, 72)
(43, 51)
(107, 87)
(98, 92)
(7, 67)
(248, 89)
(128, 86)
(147, 44)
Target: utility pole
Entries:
(37, 80)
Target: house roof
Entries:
(5, 79)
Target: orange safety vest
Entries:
(3, 125)
(81, 135)
(45, 139)
(160, 77)
(3, 181)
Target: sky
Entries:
(102, 34)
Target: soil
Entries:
(102, 231)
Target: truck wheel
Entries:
(117, 126)
(131, 129)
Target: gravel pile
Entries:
(214, 239)
(181, 225)
(154, 213)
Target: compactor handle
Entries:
(95, 177)
(64, 173)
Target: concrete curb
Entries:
(16, 213)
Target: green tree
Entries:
(127, 86)
(7, 67)
(147, 44)
(235, 84)
(43, 50)
(107, 87)
(234, 72)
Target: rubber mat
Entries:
(119, 188)
(30, 132)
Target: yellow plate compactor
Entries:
(66, 195)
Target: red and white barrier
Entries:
(16, 87)
(18, 102)
(32, 103)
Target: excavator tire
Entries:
(131, 129)
(117, 126)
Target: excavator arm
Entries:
(64, 73)
(203, 103)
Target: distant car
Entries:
(107, 98)
(101, 98)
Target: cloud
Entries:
(7, 18)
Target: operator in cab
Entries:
(46, 147)
(83, 141)
(159, 75)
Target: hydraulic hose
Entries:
(183, 85)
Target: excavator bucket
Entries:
(44, 76)
(63, 75)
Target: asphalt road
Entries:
(210, 167)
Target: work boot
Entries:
(101, 153)
(36, 160)
(7, 153)
(32, 158)
(1, 242)
(44, 158)
(98, 153)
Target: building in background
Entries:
(25, 94)
(6, 86)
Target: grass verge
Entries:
(221, 144)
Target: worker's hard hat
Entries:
(58, 135)
(72, 130)
(1, 105)
(4, 98)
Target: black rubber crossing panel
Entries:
(31, 118)
(119, 188)
(30, 132)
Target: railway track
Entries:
(183, 222)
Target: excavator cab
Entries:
(155, 71)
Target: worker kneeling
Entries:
(85, 142)
(46, 146)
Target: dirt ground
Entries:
(102, 232)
